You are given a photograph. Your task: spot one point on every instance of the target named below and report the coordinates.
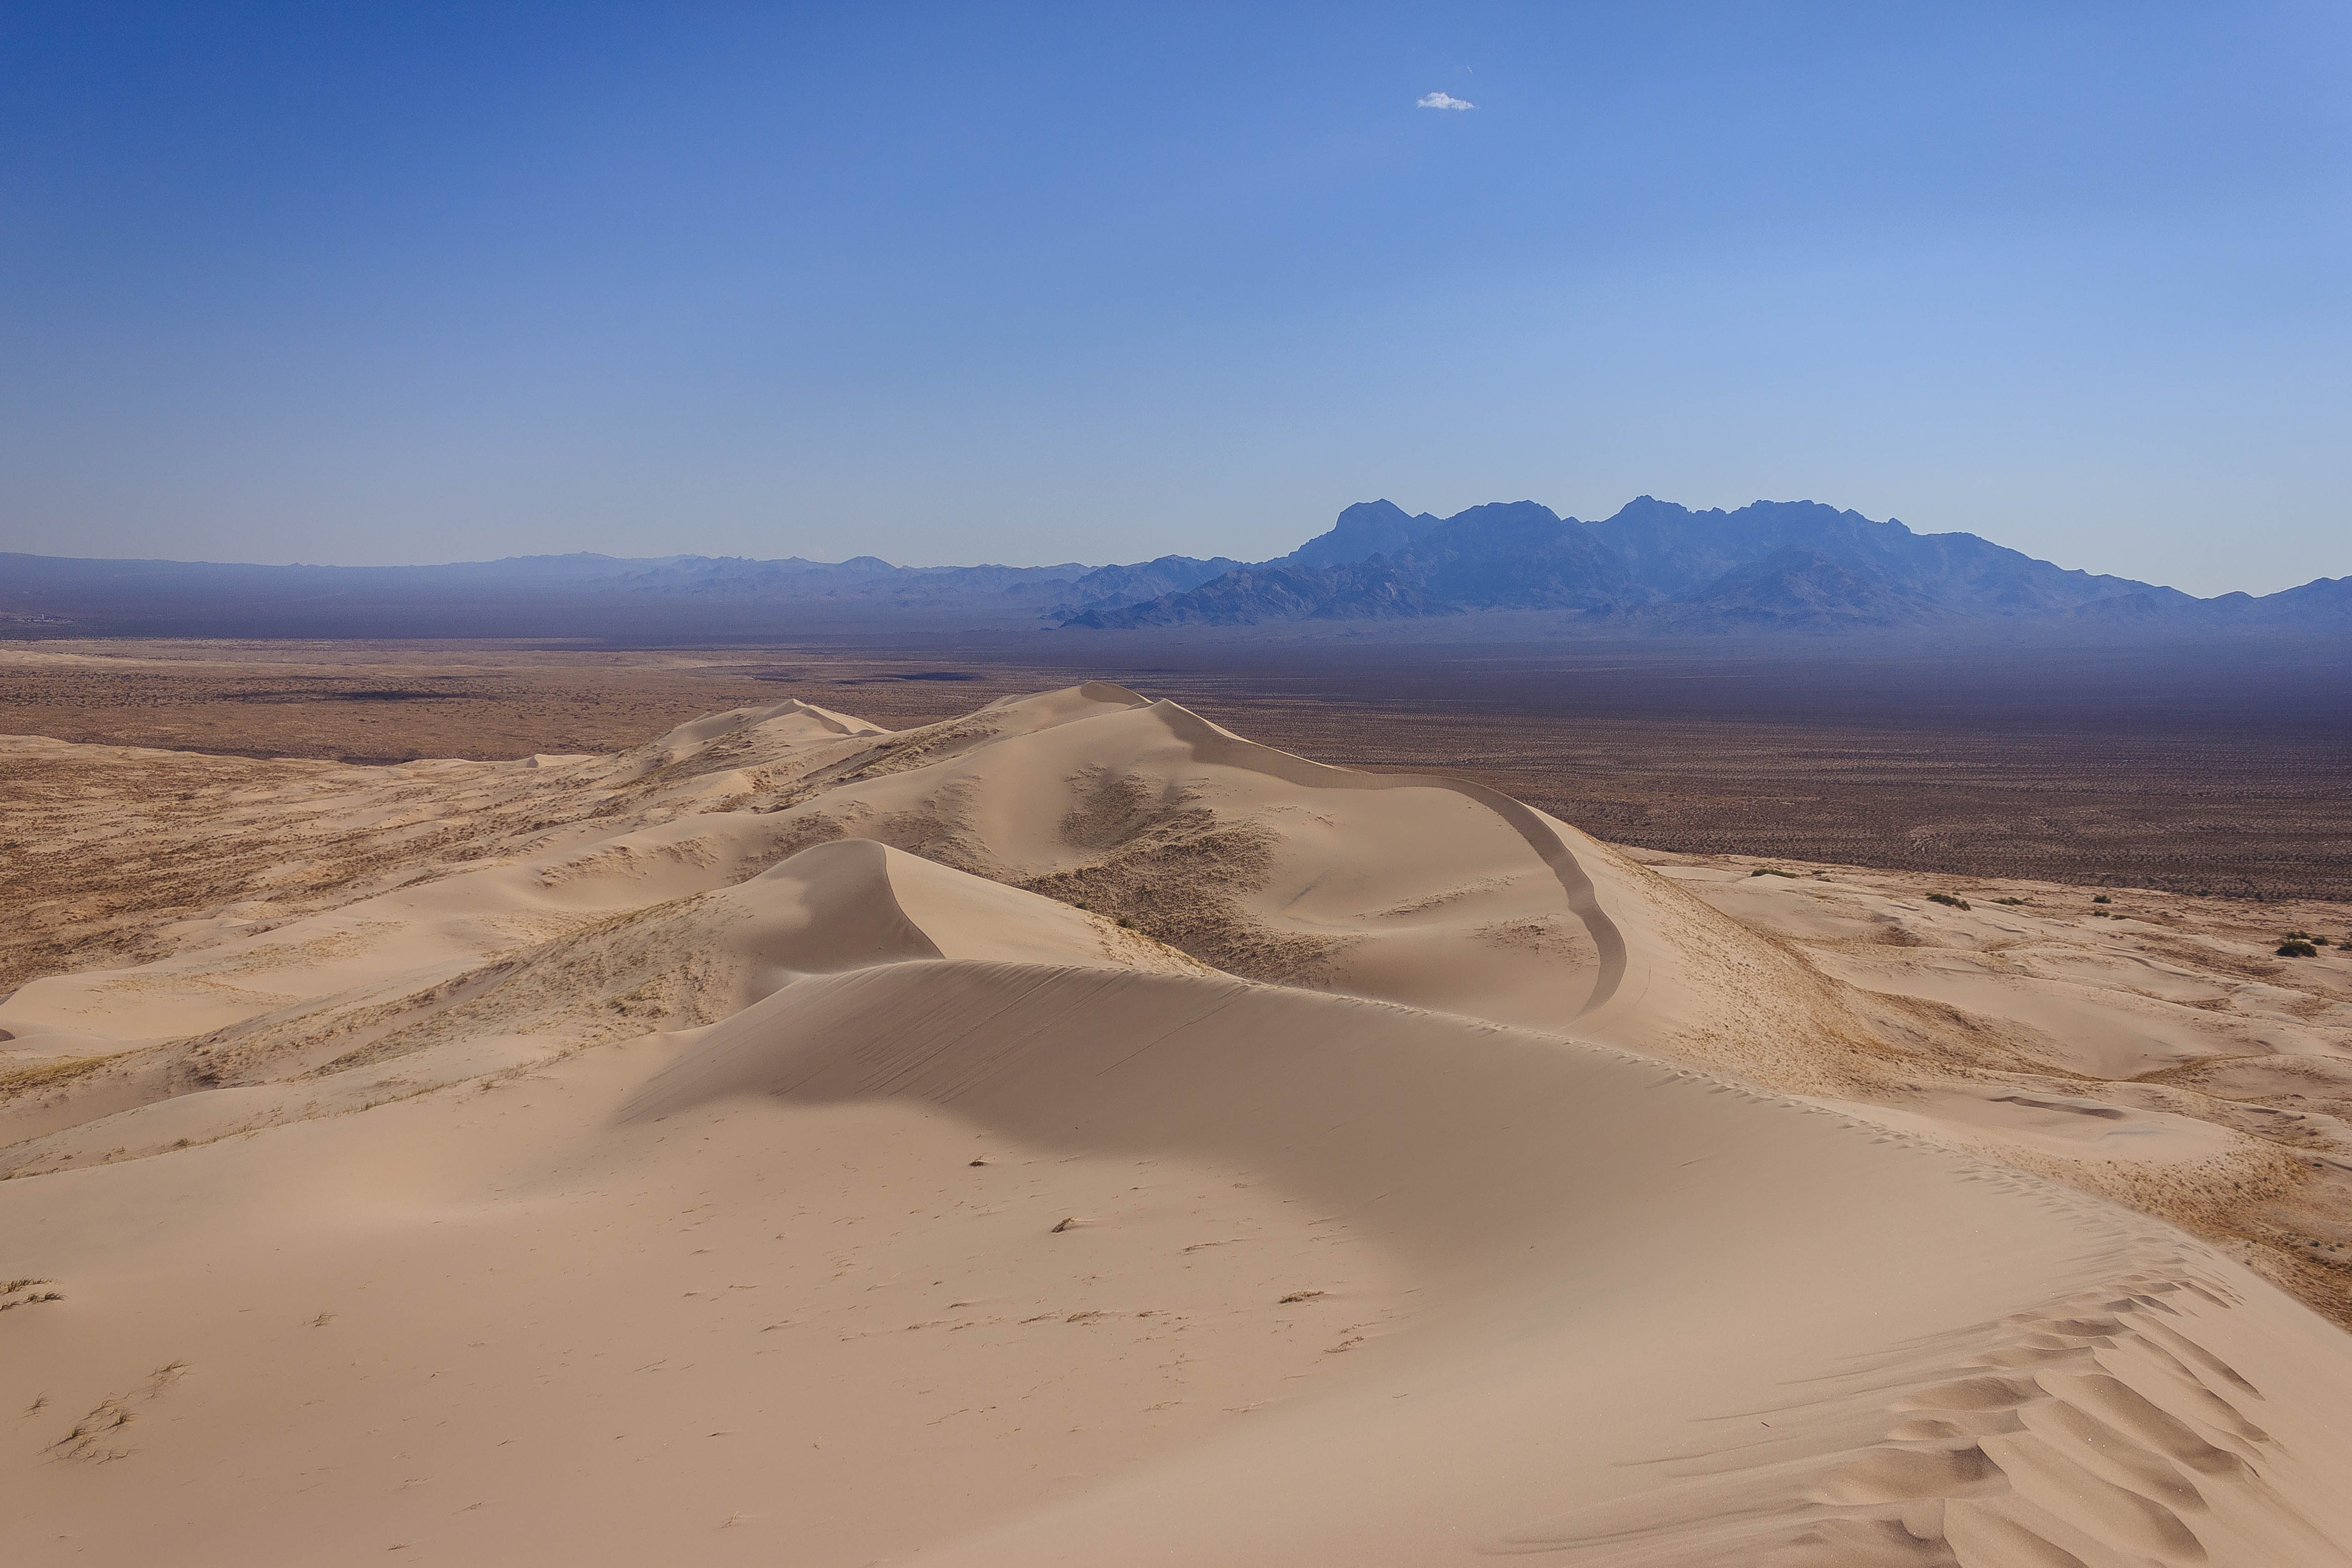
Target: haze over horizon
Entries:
(1312, 534)
(1051, 285)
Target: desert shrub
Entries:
(1948, 900)
(1772, 872)
(2101, 899)
(2009, 900)
(2297, 949)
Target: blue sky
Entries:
(401, 282)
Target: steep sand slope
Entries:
(789, 1141)
(1570, 1301)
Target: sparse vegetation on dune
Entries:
(47, 1075)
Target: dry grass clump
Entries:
(917, 749)
(33, 1299)
(621, 976)
(43, 1074)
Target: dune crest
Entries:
(1075, 1133)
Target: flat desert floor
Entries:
(1066, 1130)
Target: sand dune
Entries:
(1077, 1134)
(2151, 1047)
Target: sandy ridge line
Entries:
(1214, 744)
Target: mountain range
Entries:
(1653, 567)
(1653, 563)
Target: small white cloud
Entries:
(1443, 100)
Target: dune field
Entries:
(1073, 1133)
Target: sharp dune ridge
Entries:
(1074, 1133)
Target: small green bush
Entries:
(1948, 900)
(2101, 899)
(1772, 872)
(2297, 949)
(2009, 900)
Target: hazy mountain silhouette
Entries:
(1367, 529)
(1677, 552)
(1654, 566)
(1796, 585)
(1657, 564)
(1115, 585)
(2322, 604)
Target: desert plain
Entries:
(507, 1105)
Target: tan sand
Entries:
(2149, 1042)
(1073, 1134)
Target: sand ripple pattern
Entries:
(2094, 1430)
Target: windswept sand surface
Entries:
(1072, 1134)
(2103, 1029)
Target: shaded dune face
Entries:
(1072, 1134)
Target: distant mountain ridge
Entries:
(1653, 563)
(1652, 567)
(1367, 529)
